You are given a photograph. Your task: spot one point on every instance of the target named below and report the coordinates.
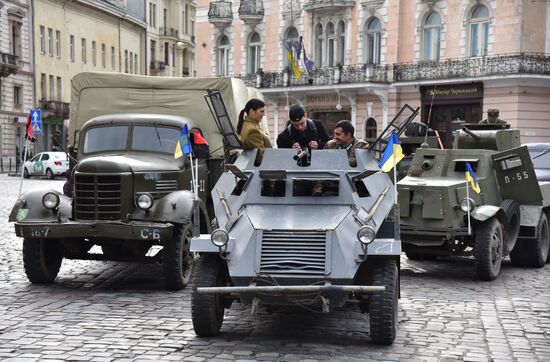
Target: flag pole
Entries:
(468, 200)
(23, 166)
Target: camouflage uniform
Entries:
(350, 148)
(252, 137)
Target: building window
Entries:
(319, 45)
(15, 36)
(59, 95)
(186, 19)
(431, 40)
(341, 42)
(50, 42)
(83, 51)
(153, 15)
(131, 63)
(17, 96)
(125, 61)
(166, 53)
(113, 57)
(223, 56)
(103, 55)
(165, 19)
(136, 68)
(291, 39)
(71, 48)
(330, 44)
(373, 41)
(94, 53)
(42, 39)
(254, 53)
(52, 88)
(479, 31)
(43, 85)
(153, 51)
(58, 43)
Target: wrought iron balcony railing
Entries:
(157, 65)
(56, 108)
(251, 11)
(220, 13)
(172, 32)
(328, 5)
(8, 64)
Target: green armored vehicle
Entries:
(508, 217)
(127, 193)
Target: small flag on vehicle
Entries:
(183, 147)
(471, 177)
(392, 154)
(200, 146)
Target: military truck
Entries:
(129, 194)
(300, 229)
(508, 217)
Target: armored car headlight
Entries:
(467, 204)
(50, 200)
(366, 235)
(219, 237)
(144, 201)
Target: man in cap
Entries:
(302, 132)
(492, 117)
(344, 139)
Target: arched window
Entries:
(341, 42)
(254, 53)
(370, 128)
(372, 40)
(319, 45)
(479, 31)
(330, 44)
(431, 37)
(291, 38)
(223, 56)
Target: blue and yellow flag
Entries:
(295, 69)
(184, 144)
(392, 154)
(471, 177)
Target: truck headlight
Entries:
(467, 204)
(219, 237)
(144, 201)
(366, 235)
(50, 200)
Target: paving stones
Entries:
(107, 311)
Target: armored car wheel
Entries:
(207, 309)
(177, 260)
(383, 305)
(488, 248)
(41, 259)
(537, 250)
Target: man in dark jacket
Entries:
(302, 132)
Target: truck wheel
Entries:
(513, 215)
(207, 309)
(49, 174)
(518, 256)
(177, 260)
(41, 259)
(26, 173)
(383, 305)
(537, 250)
(488, 249)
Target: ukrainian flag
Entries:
(471, 177)
(183, 146)
(392, 154)
(295, 69)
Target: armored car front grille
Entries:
(293, 253)
(164, 187)
(97, 197)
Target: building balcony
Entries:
(251, 11)
(328, 5)
(168, 32)
(8, 64)
(157, 65)
(55, 109)
(185, 71)
(220, 13)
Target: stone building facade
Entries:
(454, 59)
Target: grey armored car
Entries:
(300, 229)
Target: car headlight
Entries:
(219, 237)
(50, 200)
(467, 204)
(366, 235)
(144, 201)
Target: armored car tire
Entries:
(489, 243)
(537, 250)
(383, 305)
(41, 259)
(207, 309)
(177, 260)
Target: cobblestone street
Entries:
(105, 311)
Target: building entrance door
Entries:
(447, 119)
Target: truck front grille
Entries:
(293, 253)
(97, 197)
(164, 187)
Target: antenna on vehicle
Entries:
(425, 143)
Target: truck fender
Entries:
(29, 207)
(485, 212)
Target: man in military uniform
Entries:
(492, 117)
(344, 139)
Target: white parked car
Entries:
(50, 164)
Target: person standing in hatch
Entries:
(344, 138)
(302, 132)
(249, 129)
